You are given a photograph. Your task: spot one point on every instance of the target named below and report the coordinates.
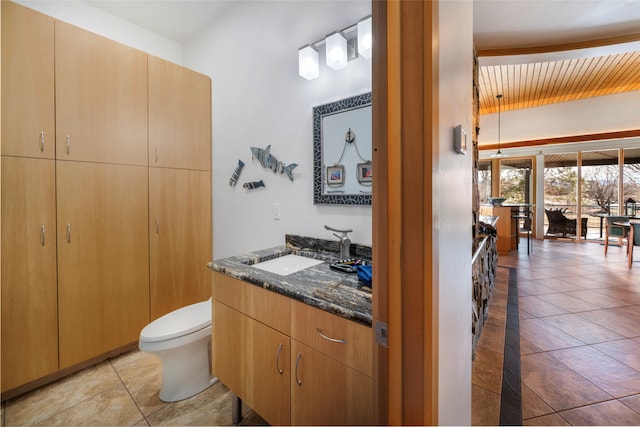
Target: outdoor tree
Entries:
(600, 186)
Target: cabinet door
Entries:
(179, 116)
(28, 106)
(101, 98)
(29, 298)
(180, 238)
(253, 361)
(326, 392)
(103, 257)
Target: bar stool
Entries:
(526, 217)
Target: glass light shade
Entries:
(308, 63)
(336, 46)
(365, 38)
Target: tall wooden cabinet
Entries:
(103, 274)
(85, 222)
(29, 295)
(179, 186)
(179, 117)
(101, 99)
(179, 238)
(28, 115)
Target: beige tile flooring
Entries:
(120, 392)
(580, 355)
(579, 318)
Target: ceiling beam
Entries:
(633, 133)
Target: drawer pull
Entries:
(68, 233)
(329, 338)
(42, 235)
(42, 141)
(299, 381)
(280, 371)
(68, 145)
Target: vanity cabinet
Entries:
(29, 293)
(28, 117)
(103, 258)
(251, 346)
(101, 98)
(179, 238)
(179, 116)
(332, 360)
(290, 362)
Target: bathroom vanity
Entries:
(296, 348)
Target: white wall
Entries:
(452, 183)
(586, 116)
(92, 19)
(251, 54)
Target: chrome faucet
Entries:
(345, 242)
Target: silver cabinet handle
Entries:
(42, 141)
(68, 144)
(280, 371)
(299, 381)
(42, 235)
(157, 226)
(68, 233)
(339, 341)
(156, 150)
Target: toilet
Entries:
(182, 340)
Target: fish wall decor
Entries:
(267, 160)
(236, 174)
(252, 185)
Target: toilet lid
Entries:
(180, 322)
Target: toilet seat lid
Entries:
(182, 321)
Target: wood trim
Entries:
(585, 44)
(402, 212)
(632, 133)
(379, 209)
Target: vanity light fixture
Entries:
(365, 38)
(308, 63)
(340, 47)
(336, 53)
(498, 153)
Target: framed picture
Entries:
(365, 172)
(335, 175)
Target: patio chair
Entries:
(633, 239)
(560, 224)
(612, 230)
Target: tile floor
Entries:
(120, 392)
(579, 318)
(579, 345)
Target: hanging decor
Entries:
(267, 160)
(335, 173)
(252, 185)
(236, 174)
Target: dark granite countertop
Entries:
(319, 286)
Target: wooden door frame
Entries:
(405, 117)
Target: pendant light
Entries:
(498, 153)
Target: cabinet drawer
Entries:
(264, 306)
(342, 339)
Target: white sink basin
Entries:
(287, 264)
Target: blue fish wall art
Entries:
(253, 185)
(236, 174)
(270, 162)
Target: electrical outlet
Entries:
(275, 208)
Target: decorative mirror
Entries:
(342, 168)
